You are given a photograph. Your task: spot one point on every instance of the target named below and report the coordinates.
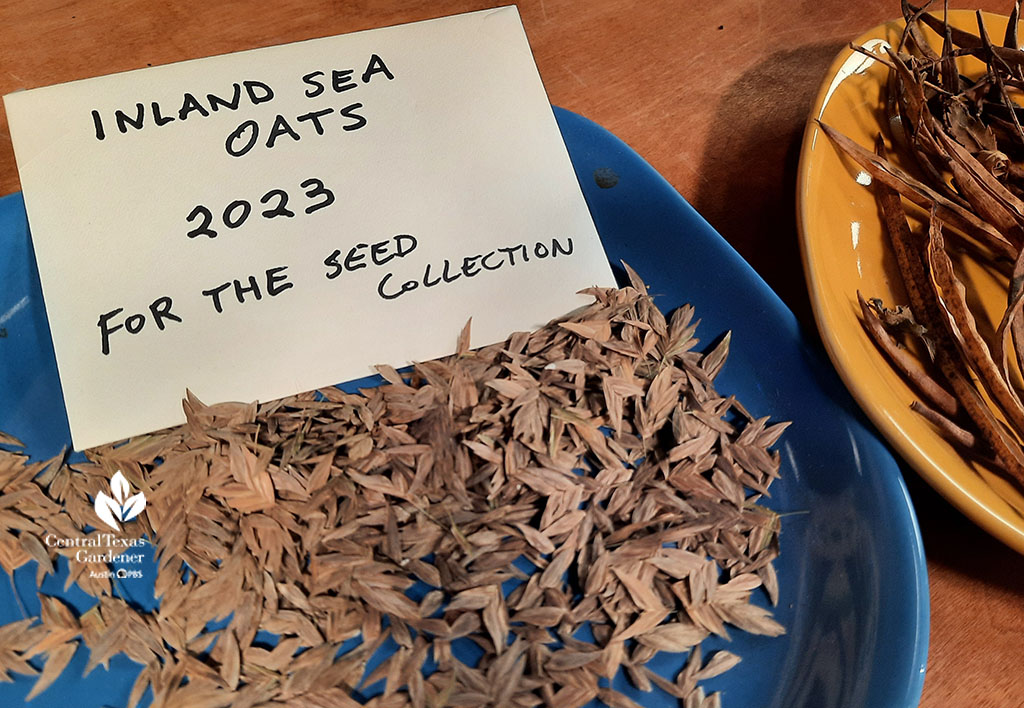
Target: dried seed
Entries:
(311, 517)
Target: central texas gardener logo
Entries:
(120, 506)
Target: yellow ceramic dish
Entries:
(845, 250)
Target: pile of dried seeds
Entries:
(594, 452)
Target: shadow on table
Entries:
(748, 190)
(953, 541)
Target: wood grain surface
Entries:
(713, 94)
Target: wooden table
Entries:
(713, 94)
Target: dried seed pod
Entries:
(966, 135)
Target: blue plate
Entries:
(854, 589)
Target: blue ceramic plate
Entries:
(854, 591)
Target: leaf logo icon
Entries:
(119, 507)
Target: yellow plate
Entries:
(845, 250)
